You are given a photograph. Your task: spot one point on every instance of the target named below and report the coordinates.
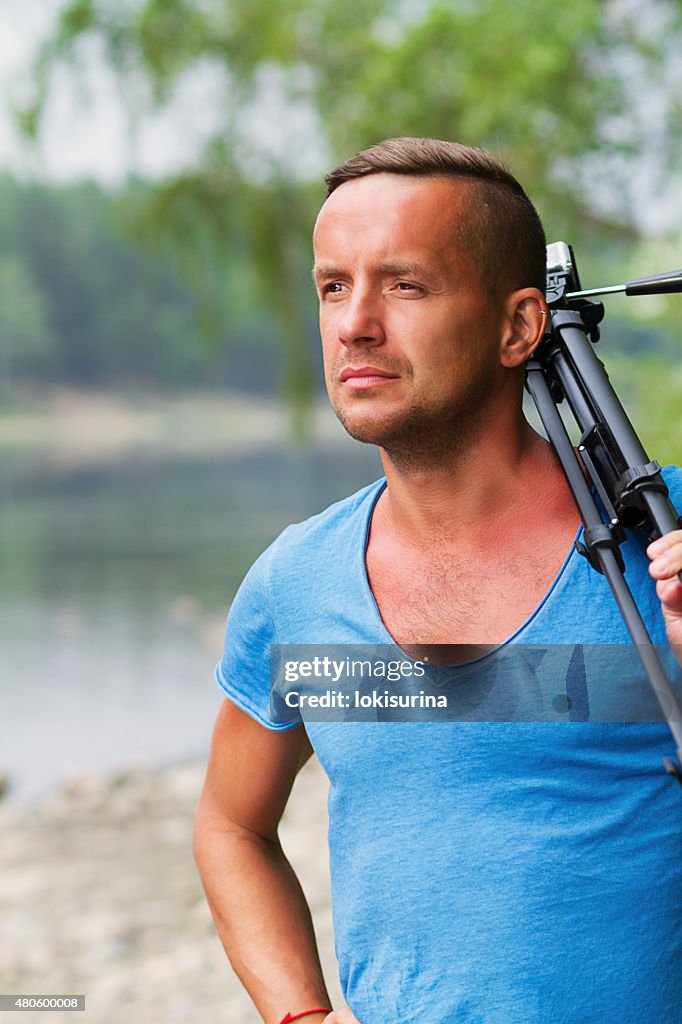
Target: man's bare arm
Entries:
(256, 900)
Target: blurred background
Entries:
(162, 414)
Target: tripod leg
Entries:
(603, 549)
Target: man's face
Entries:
(410, 341)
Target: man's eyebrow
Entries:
(326, 272)
(410, 268)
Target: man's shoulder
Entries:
(673, 478)
(335, 529)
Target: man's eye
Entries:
(408, 286)
(333, 288)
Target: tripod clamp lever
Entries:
(628, 489)
(600, 535)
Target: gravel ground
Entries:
(99, 895)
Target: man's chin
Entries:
(382, 431)
(364, 432)
(417, 438)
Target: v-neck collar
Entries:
(368, 594)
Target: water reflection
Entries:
(116, 580)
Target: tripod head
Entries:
(562, 273)
(564, 288)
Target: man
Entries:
(498, 872)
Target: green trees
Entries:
(25, 335)
(81, 303)
(557, 90)
(581, 100)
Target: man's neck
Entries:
(487, 488)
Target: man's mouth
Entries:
(365, 376)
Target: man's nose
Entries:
(361, 319)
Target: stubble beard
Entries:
(426, 435)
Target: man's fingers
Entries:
(669, 592)
(657, 547)
(343, 1016)
(666, 566)
(666, 556)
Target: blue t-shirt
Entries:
(483, 872)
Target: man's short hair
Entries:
(503, 232)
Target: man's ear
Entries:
(525, 320)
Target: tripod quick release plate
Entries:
(562, 272)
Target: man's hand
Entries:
(343, 1016)
(666, 555)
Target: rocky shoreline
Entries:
(99, 895)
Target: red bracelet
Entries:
(296, 1016)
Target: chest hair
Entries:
(446, 598)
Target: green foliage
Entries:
(538, 82)
(81, 303)
(25, 335)
(566, 94)
(170, 34)
(651, 390)
(78, 17)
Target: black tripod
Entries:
(628, 484)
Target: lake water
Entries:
(115, 584)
